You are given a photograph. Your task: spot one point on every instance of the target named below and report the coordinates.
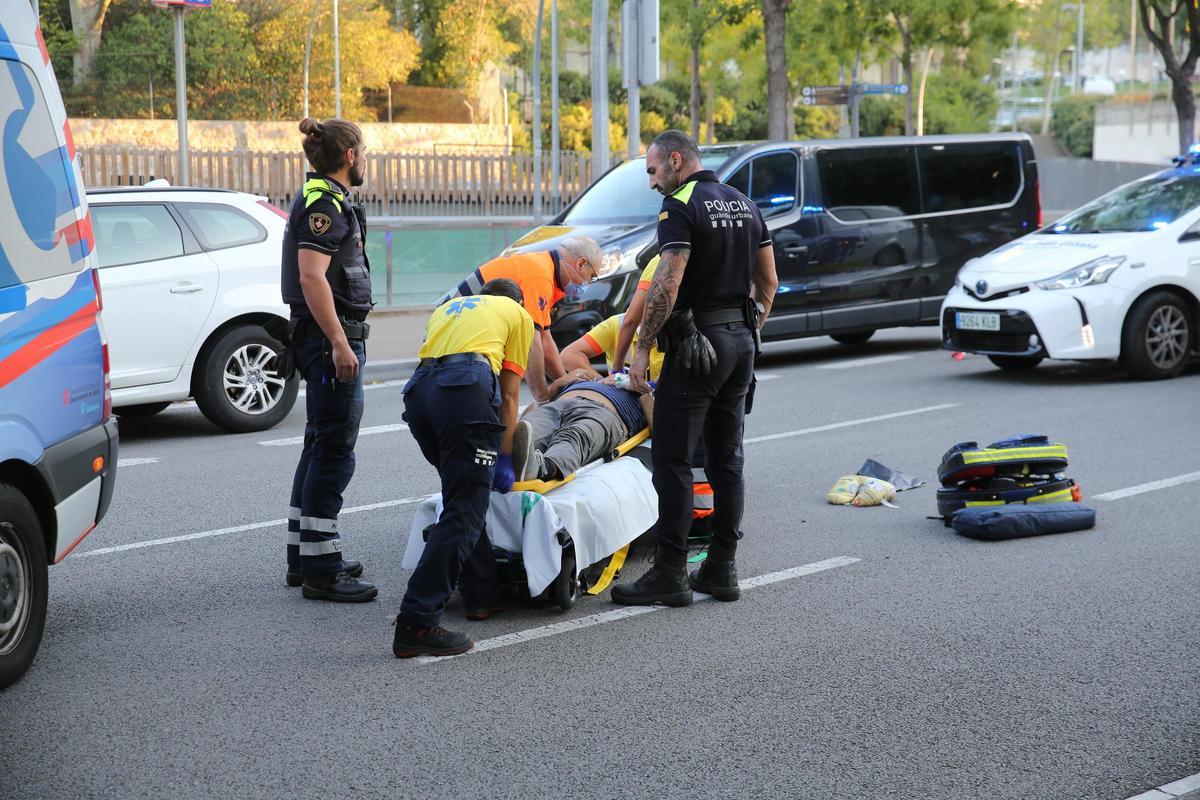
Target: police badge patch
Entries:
(318, 223)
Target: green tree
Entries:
(700, 19)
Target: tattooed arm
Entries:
(660, 298)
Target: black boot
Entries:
(413, 640)
(340, 587)
(661, 584)
(353, 568)
(717, 577)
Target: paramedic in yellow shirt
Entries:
(461, 407)
(604, 338)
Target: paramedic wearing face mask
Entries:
(544, 279)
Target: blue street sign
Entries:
(883, 88)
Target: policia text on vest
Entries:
(327, 282)
(715, 248)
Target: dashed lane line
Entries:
(1171, 790)
(603, 618)
(850, 423)
(870, 361)
(122, 463)
(1152, 486)
(371, 431)
(271, 523)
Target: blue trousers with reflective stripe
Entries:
(327, 460)
(452, 413)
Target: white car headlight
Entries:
(1096, 271)
(618, 260)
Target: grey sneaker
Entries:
(524, 462)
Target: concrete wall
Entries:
(1136, 132)
(1068, 183)
(281, 136)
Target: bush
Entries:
(1073, 121)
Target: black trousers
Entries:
(452, 413)
(711, 408)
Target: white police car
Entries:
(1117, 279)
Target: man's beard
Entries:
(356, 175)
(674, 182)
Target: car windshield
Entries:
(624, 195)
(1146, 205)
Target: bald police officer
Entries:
(713, 288)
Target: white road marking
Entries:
(1153, 486)
(371, 431)
(134, 462)
(1170, 790)
(863, 362)
(271, 523)
(367, 386)
(532, 634)
(849, 423)
(767, 376)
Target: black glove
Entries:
(696, 354)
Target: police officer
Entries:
(461, 407)
(713, 288)
(327, 282)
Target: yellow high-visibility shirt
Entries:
(603, 339)
(648, 274)
(490, 325)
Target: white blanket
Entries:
(603, 510)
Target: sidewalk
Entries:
(396, 337)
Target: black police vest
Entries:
(349, 272)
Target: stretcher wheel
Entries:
(566, 585)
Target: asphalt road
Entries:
(919, 665)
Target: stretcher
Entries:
(546, 535)
(1023, 456)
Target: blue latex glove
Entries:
(502, 481)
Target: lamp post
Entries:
(177, 8)
(1076, 85)
(337, 65)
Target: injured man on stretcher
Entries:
(587, 417)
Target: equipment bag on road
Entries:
(1016, 521)
(1027, 454)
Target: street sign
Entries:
(883, 88)
(825, 95)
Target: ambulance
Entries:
(58, 438)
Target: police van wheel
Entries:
(236, 387)
(858, 337)
(566, 585)
(23, 584)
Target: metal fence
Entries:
(397, 184)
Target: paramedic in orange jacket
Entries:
(545, 278)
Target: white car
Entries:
(189, 278)
(1117, 279)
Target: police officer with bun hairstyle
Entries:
(327, 282)
(461, 407)
(712, 291)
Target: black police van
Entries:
(869, 233)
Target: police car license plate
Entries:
(976, 321)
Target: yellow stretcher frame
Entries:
(541, 487)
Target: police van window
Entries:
(773, 183)
(623, 195)
(740, 180)
(880, 180)
(218, 227)
(38, 195)
(962, 176)
(132, 234)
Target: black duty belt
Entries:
(718, 316)
(355, 329)
(455, 358)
